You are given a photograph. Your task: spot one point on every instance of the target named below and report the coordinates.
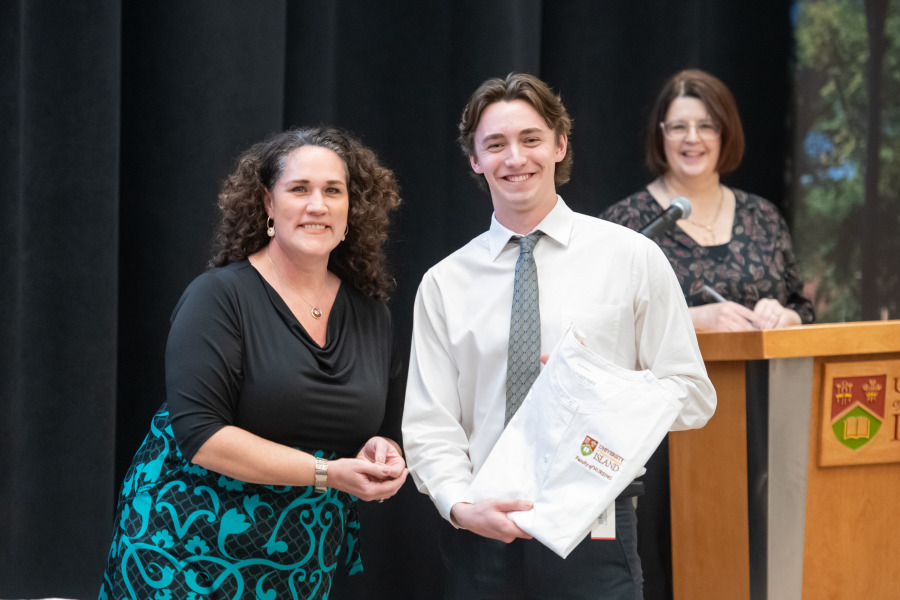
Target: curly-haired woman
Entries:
(283, 388)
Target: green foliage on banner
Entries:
(832, 102)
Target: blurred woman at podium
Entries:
(732, 254)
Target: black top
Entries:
(236, 355)
(758, 262)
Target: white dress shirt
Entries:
(613, 284)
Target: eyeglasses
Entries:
(679, 130)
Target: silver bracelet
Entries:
(321, 475)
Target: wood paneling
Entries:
(831, 339)
(852, 519)
(710, 466)
(852, 540)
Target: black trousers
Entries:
(485, 569)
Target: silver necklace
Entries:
(313, 309)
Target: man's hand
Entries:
(488, 518)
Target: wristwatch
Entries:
(321, 475)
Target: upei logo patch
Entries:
(857, 409)
(588, 446)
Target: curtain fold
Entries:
(60, 115)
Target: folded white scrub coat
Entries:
(582, 434)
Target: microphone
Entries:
(679, 208)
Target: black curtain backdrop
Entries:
(118, 122)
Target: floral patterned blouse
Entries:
(758, 262)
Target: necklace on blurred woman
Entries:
(709, 228)
(313, 309)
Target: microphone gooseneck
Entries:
(679, 208)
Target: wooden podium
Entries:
(792, 490)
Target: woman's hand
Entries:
(723, 316)
(368, 479)
(383, 451)
(770, 314)
(377, 472)
(239, 454)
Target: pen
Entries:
(714, 294)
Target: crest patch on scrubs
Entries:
(602, 460)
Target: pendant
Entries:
(315, 312)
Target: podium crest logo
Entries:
(588, 446)
(857, 409)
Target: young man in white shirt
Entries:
(614, 285)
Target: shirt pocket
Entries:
(598, 325)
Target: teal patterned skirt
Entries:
(185, 533)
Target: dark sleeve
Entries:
(796, 301)
(393, 410)
(204, 355)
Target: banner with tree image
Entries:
(846, 179)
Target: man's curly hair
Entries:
(373, 191)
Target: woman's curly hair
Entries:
(373, 191)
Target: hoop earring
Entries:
(270, 227)
(346, 231)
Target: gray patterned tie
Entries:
(523, 361)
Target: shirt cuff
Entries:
(450, 497)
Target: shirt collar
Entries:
(557, 225)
